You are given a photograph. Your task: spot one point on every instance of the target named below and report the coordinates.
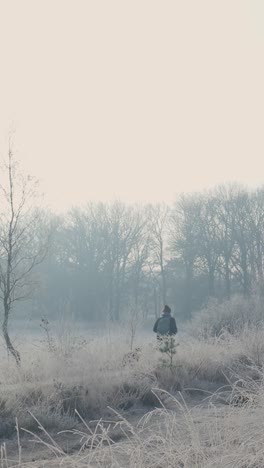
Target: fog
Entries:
(143, 125)
(131, 233)
(120, 263)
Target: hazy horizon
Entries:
(136, 101)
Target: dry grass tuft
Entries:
(58, 392)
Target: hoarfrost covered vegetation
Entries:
(83, 377)
(120, 409)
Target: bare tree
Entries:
(243, 241)
(225, 218)
(138, 263)
(158, 226)
(125, 230)
(86, 245)
(208, 240)
(184, 241)
(23, 245)
(256, 220)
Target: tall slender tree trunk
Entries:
(187, 306)
(111, 298)
(164, 286)
(117, 306)
(227, 279)
(9, 345)
(155, 300)
(163, 274)
(136, 289)
(117, 295)
(245, 273)
(211, 281)
(259, 262)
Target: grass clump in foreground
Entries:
(60, 391)
(201, 436)
(52, 387)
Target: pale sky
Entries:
(133, 99)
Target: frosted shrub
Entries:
(230, 316)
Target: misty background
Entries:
(118, 262)
(143, 122)
(131, 176)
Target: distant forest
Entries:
(112, 260)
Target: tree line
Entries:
(110, 260)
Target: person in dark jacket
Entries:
(166, 324)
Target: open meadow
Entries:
(132, 234)
(80, 400)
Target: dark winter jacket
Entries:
(173, 326)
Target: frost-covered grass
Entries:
(75, 377)
(100, 372)
(201, 437)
